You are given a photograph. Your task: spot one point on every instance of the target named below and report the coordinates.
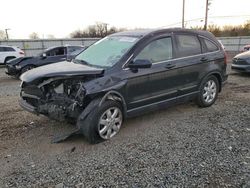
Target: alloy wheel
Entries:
(110, 123)
(209, 91)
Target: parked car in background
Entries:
(126, 74)
(241, 62)
(9, 52)
(246, 48)
(18, 66)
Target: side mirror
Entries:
(140, 64)
(69, 58)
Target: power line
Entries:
(197, 19)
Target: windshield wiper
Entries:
(81, 61)
(86, 63)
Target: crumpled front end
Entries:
(57, 98)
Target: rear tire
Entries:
(209, 89)
(103, 123)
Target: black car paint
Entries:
(241, 62)
(143, 90)
(38, 60)
(61, 69)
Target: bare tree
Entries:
(50, 36)
(34, 35)
(91, 31)
(98, 30)
(101, 28)
(2, 35)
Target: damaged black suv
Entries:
(126, 74)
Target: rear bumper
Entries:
(241, 68)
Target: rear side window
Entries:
(158, 50)
(1, 49)
(74, 50)
(56, 52)
(211, 47)
(187, 45)
(8, 49)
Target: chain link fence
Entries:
(233, 45)
(33, 47)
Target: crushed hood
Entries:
(60, 69)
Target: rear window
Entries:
(8, 49)
(187, 45)
(56, 51)
(211, 47)
(74, 50)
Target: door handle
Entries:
(203, 59)
(169, 66)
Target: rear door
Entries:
(189, 61)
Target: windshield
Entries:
(107, 51)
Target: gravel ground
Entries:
(182, 146)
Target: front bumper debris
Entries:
(28, 107)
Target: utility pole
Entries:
(183, 13)
(206, 13)
(6, 32)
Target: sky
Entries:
(61, 17)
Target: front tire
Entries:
(103, 123)
(209, 89)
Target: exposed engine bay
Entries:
(57, 98)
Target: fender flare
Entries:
(113, 93)
(97, 102)
(217, 75)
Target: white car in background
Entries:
(9, 52)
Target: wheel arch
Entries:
(116, 96)
(217, 75)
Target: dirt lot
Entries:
(183, 146)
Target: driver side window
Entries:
(157, 50)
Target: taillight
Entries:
(21, 53)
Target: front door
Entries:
(158, 82)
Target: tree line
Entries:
(229, 30)
(100, 30)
